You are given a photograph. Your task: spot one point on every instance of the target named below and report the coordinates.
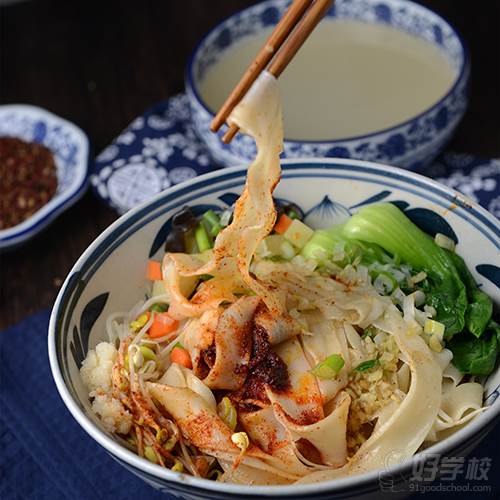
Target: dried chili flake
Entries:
(28, 179)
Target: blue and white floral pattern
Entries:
(70, 147)
(155, 151)
(412, 144)
(476, 178)
(160, 149)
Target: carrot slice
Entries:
(154, 271)
(283, 224)
(181, 356)
(162, 324)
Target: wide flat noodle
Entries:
(200, 424)
(233, 345)
(327, 435)
(278, 327)
(355, 303)
(179, 376)
(302, 403)
(399, 433)
(459, 405)
(266, 431)
(327, 338)
(259, 115)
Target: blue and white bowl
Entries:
(411, 144)
(328, 190)
(70, 147)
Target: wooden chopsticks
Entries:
(280, 48)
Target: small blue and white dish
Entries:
(70, 147)
(328, 191)
(411, 144)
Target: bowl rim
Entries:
(357, 481)
(461, 78)
(57, 204)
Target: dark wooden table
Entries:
(101, 63)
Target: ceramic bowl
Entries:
(70, 147)
(328, 191)
(411, 144)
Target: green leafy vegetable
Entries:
(480, 306)
(495, 327)
(331, 244)
(385, 225)
(476, 356)
(367, 365)
(323, 243)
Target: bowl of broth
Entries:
(377, 81)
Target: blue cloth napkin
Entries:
(160, 149)
(45, 455)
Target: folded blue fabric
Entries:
(45, 455)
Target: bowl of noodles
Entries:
(305, 328)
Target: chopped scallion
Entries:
(444, 242)
(202, 239)
(212, 221)
(227, 412)
(178, 466)
(293, 214)
(159, 308)
(150, 454)
(367, 365)
(329, 367)
(434, 327)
